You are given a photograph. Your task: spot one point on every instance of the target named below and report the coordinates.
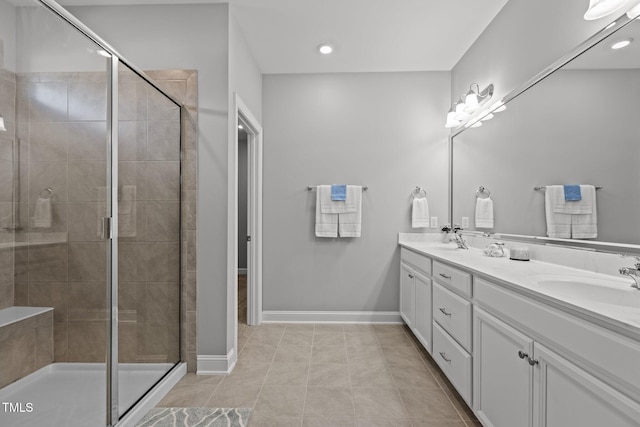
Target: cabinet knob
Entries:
(444, 356)
(532, 362)
(522, 354)
(444, 311)
(445, 276)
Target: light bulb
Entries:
(601, 8)
(325, 49)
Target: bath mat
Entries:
(196, 417)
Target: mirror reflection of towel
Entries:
(484, 212)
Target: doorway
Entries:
(247, 242)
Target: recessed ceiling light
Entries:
(325, 49)
(620, 44)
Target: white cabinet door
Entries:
(567, 396)
(407, 294)
(422, 326)
(502, 375)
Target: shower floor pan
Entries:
(73, 394)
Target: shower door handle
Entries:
(105, 228)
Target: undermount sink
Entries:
(606, 291)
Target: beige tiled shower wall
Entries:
(62, 128)
(7, 110)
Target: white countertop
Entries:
(520, 276)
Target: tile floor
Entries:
(325, 375)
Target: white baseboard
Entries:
(216, 365)
(331, 317)
(151, 399)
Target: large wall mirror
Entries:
(577, 123)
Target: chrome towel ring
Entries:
(483, 190)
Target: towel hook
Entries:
(481, 190)
(47, 195)
(417, 192)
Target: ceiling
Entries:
(368, 35)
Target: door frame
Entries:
(243, 115)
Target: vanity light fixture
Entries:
(600, 8)
(634, 12)
(621, 44)
(325, 49)
(468, 103)
(2, 127)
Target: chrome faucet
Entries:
(459, 239)
(634, 273)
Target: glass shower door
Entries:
(148, 236)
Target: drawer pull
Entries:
(445, 276)
(411, 276)
(522, 354)
(532, 362)
(444, 312)
(444, 356)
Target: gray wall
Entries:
(525, 37)
(384, 130)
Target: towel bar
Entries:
(314, 187)
(542, 187)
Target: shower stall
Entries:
(91, 310)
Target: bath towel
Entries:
(558, 224)
(127, 212)
(484, 212)
(326, 223)
(42, 215)
(328, 206)
(420, 213)
(585, 226)
(338, 192)
(350, 223)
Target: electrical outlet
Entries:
(434, 222)
(465, 222)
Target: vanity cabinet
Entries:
(415, 295)
(520, 382)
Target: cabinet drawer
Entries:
(454, 361)
(453, 313)
(420, 262)
(452, 277)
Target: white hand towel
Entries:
(127, 212)
(484, 212)
(560, 205)
(350, 223)
(558, 224)
(42, 215)
(420, 213)
(326, 223)
(328, 206)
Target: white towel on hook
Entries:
(484, 212)
(42, 215)
(326, 223)
(350, 223)
(127, 212)
(420, 212)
